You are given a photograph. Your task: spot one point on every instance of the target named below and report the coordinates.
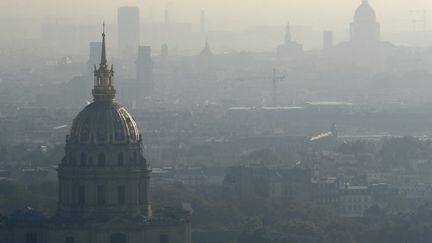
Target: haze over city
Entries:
(224, 14)
(190, 121)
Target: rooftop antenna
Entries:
(275, 81)
(203, 21)
(166, 16)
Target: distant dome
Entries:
(365, 13)
(104, 123)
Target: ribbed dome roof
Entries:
(104, 123)
(365, 12)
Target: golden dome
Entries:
(104, 123)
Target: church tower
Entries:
(103, 173)
(289, 46)
(288, 38)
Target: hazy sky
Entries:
(322, 14)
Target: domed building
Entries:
(365, 47)
(103, 182)
(365, 28)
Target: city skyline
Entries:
(400, 16)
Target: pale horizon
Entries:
(226, 14)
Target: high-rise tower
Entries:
(164, 52)
(327, 40)
(203, 22)
(128, 22)
(288, 38)
(144, 70)
(94, 57)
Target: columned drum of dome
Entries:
(103, 173)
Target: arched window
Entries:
(81, 194)
(83, 159)
(69, 239)
(120, 160)
(121, 194)
(101, 159)
(31, 237)
(71, 158)
(101, 197)
(163, 239)
(118, 238)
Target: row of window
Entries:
(356, 199)
(32, 237)
(355, 208)
(101, 159)
(101, 194)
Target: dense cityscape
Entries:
(160, 132)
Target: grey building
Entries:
(144, 70)
(128, 21)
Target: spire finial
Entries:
(288, 37)
(103, 57)
(104, 78)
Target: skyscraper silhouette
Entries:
(144, 70)
(128, 21)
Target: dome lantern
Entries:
(103, 77)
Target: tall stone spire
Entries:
(103, 77)
(288, 38)
(103, 57)
(206, 52)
